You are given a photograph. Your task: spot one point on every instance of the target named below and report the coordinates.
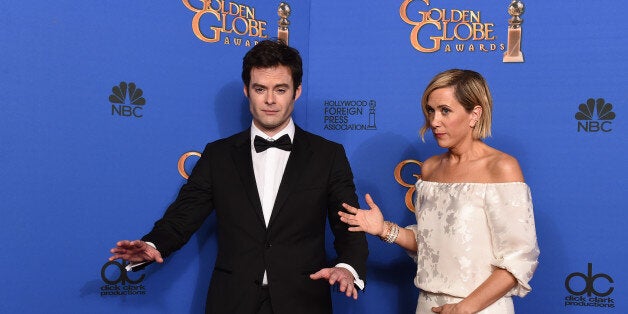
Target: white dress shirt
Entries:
(269, 167)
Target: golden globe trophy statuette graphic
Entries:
(282, 28)
(513, 53)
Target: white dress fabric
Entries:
(466, 230)
(428, 300)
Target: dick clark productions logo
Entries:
(596, 287)
(595, 108)
(118, 282)
(126, 100)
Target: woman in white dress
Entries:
(475, 240)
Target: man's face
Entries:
(271, 97)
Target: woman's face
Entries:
(451, 124)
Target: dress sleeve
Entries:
(415, 228)
(513, 233)
(413, 254)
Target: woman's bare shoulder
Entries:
(427, 169)
(504, 167)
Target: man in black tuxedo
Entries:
(273, 187)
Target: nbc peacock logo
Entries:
(595, 115)
(127, 100)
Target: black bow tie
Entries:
(262, 144)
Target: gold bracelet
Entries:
(392, 232)
(387, 226)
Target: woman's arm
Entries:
(491, 290)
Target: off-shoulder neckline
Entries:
(474, 183)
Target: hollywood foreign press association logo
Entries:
(127, 100)
(349, 115)
(589, 290)
(595, 115)
(118, 282)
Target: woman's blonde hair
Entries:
(471, 90)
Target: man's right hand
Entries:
(135, 251)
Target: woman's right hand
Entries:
(368, 220)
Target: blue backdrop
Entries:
(101, 100)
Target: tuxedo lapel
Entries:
(298, 160)
(241, 155)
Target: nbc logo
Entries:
(118, 99)
(593, 107)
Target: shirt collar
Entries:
(289, 129)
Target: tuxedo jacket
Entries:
(316, 181)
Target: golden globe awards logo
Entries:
(182, 162)
(448, 30)
(226, 21)
(410, 185)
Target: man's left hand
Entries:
(339, 275)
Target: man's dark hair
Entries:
(272, 53)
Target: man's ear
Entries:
(297, 92)
(246, 91)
